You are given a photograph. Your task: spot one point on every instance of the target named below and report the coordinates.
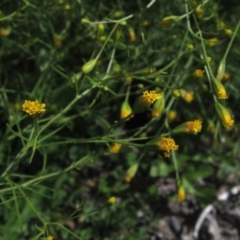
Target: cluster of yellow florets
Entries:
(227, 121)
(193, 126)
(221, 94)
(33, 108)
(198, 73)
(115, 148)
(166, 145)
(150, 97)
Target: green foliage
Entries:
(58, 168)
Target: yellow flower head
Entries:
(144, 101)
(128, 79)
(33, 108)
(198, 73)
(227, 121)
(172, 115)
(221, 94)
(224, 115)
(112, 200)
(193, 126)
(189, 127)
(187, 96)
(181, 195)
(219, 89)
(176, 93)
(199, 12)
(149, 97)
(212, 42)
(190, 46)
(50, 237)
(115, 148)
(126, 110)
(166, 145)
(228, 32)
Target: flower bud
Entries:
(172, 115)
(112, 200)
(131, 172)
(187, 96)
(85, 21)
(169, 21)
(218, 89)
(88, 66)
(221, 70)
(115, 148)
(132, 35)
(181, 194)
(224, 115)
(128, 79)
(100, 29)
(176, 93)
(212, 42)
(158, 107)
(126, 110)
(198, 73)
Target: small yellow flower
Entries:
(115, 148)
(219, 89)
(144, 101)
(166, 145)
(224, 115)
(67, 7)
(198, 73)
(181, 195)
(187, 96)
(128, 79)
(172, 115)
(194, 126)
(189, 127)
(102, 38)
(50, 237)
(126, 110)
(176, 93)
(131, 172)
(190, 46)
(112, 200)
(199, 12)
(221, 25)
(33, 108)
(228, 32)
(212, 42)
(150, 97)
(132, 35)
